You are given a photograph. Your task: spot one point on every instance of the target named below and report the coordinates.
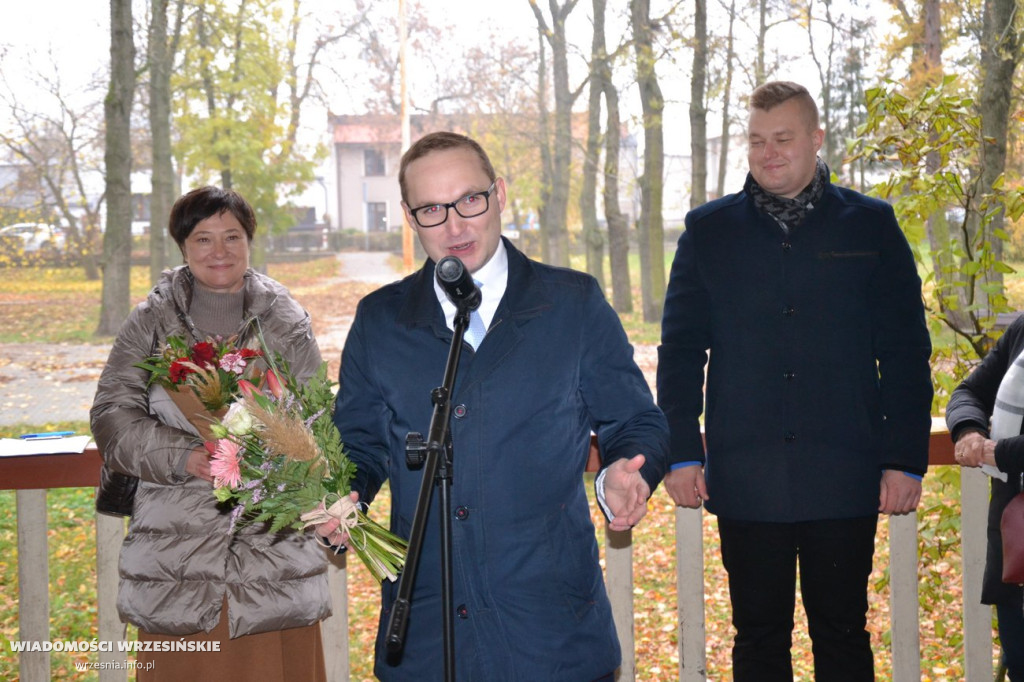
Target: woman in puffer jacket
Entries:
(185, 575)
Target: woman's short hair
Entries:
(203, 202)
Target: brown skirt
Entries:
(278, 656)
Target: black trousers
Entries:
(835, 559)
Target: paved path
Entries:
(45, 382)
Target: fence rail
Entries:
(32, 476)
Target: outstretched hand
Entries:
(626, 492)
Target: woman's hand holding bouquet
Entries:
(272, 449)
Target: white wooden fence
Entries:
(32, 476)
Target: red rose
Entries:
(178, 371)
(204, 354)
(250, 353)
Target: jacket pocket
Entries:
(571, 562)
(838, 255)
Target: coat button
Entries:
(462, 513)
(790, 436)
(462, 611)
(788, 310)
(459, 411)
(786, 246)
(789, 376)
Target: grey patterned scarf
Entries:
(789, 213)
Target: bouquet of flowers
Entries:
(279, 459)
(202, 379)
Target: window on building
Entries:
(373, 162)
(140, 206)
(376, 216)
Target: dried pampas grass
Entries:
(284, 434)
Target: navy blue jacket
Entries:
(555, 364)
(818, 374)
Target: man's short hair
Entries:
(204, 202)
(440, 141)
(770, 95)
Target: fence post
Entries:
(973, 546)
(109, 536)
(903, 604)
(33, 584)
(618, 561)
(334, 630)
(690, 591)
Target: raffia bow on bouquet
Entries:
(279, 460)
(380, 552)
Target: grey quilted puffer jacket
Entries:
(179, 560)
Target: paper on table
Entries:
(16, 447)
(994, 472)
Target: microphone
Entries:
(457, 283)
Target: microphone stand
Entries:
(435, 455)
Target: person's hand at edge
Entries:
(973, 449)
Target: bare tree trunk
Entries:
(929, 69)
(547, 172)
(618, 225)
(160, 60)
(592, 237)
(760, 72)
(1000, 54)
(698, 112)
(557, 208)
(723, 155)
(833, 157)
(651, 230)
(116, 296)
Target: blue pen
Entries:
(44, 436)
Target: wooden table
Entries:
(31, 476)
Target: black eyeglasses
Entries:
(469, 206)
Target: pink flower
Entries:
(233, 362)
(224, 464)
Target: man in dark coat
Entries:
(554, 366)
(818, 390)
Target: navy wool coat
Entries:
(818, 375)
(556, 364)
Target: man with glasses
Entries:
(554, 366)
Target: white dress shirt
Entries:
(492, 278)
